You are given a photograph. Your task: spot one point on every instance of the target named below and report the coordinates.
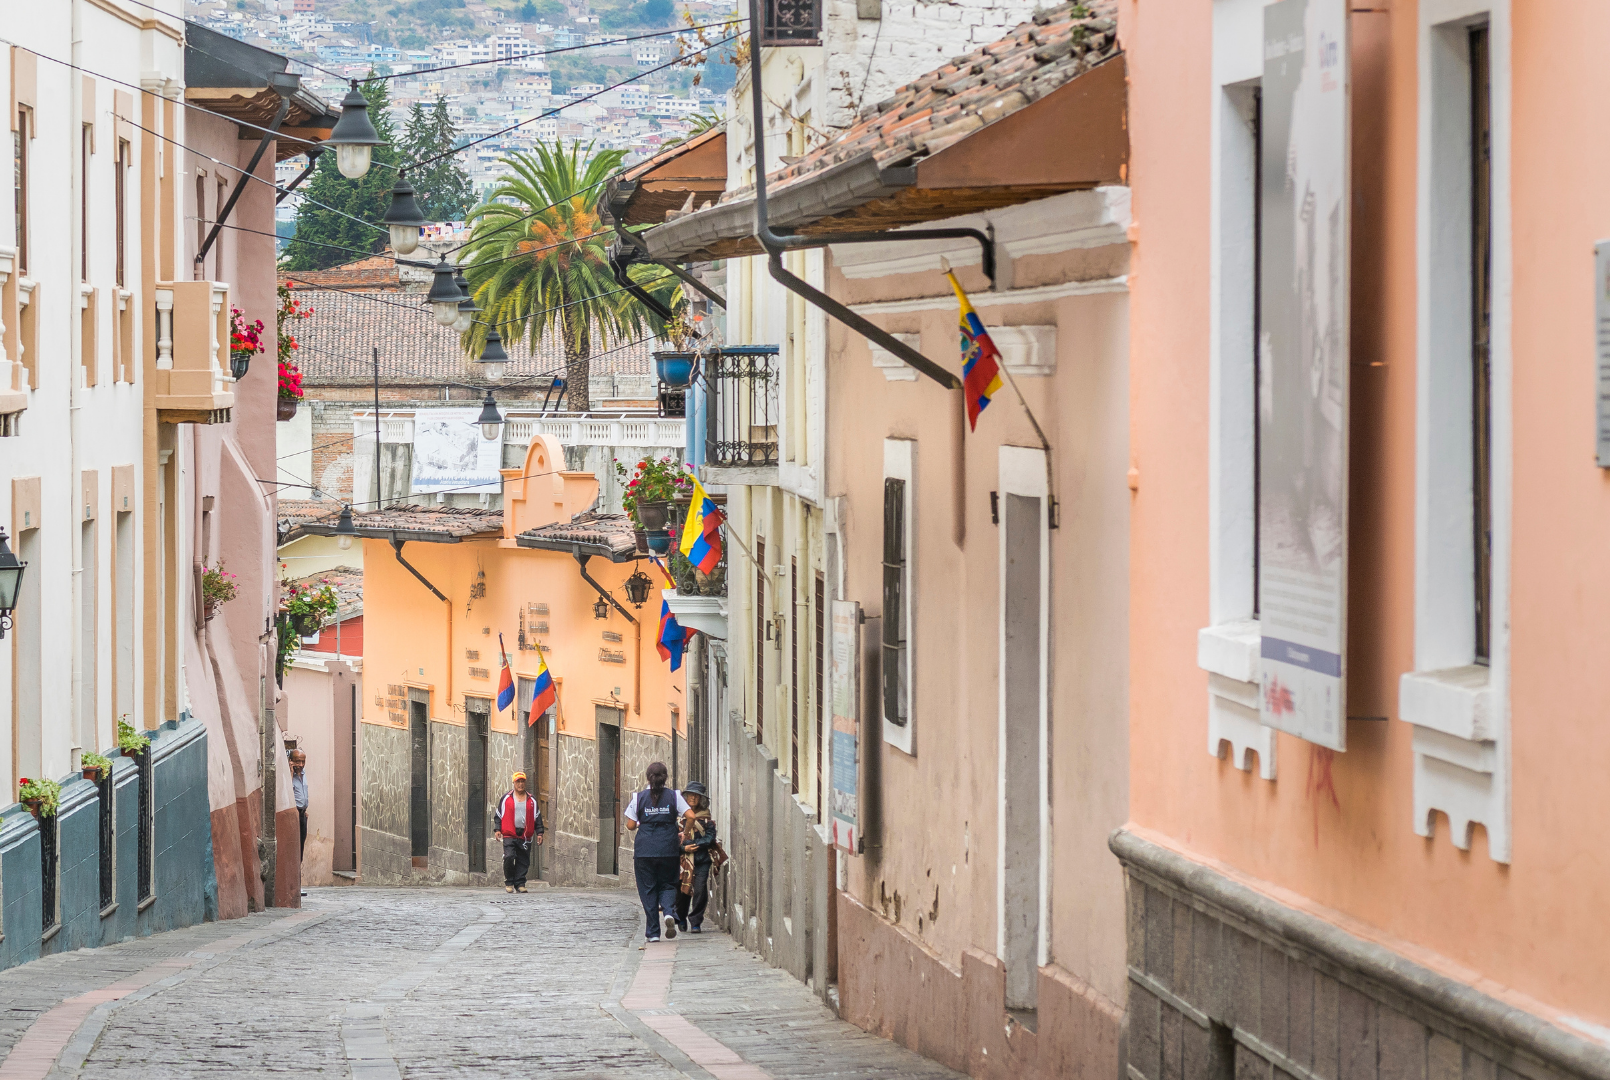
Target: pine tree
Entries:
(325, 237)
(443, 187)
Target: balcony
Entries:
(792, 22)
(193, 384)
(13, 376)
(740, 442)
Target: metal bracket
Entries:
(619, 260)
(284, 84)
(637, 251)
(581, 560)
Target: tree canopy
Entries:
(443, 187)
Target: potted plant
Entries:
(675, 365)
(650, 487)
(218, 587)
(245, 341)
(41, 797)
(290, 386)
(303, 610)
(95, 767)
(131, 742)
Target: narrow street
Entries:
(391, 983)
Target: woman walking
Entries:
(698, 840)
(654, 815)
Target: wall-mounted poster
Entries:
(450, 454)
(1303, 370)
(844, 802)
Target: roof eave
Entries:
(574, 547)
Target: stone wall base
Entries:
(1226, 983)
(890, 985)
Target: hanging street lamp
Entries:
(354, 136)
(637, 588)
(404, 218)
(491, 420)
(444, 295)
(343, 525)
(10, 583)
(601, 609)
(493, 356)
(467, 307)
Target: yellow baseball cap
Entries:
(517, 776)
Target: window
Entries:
(818, 698)
(120, 166)
(1481, 310)
(85, 139)
(20, 138)
(898, 645)
(760, 640)
(793, 673)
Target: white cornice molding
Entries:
(1036, 295)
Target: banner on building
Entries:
(450, 453)
(844, 800)
(1303, 369)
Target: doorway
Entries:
(345, 855)
(478, 717)
(609, 789)
(536, 741)
(419, 776)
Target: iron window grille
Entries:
(47, 871)
(792, 22)
(896, 693)
(744, 407)
(146, 825)
(108, 839)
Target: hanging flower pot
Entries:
(306, 625)
(653, 514)
(659, 542)
(285, 408)
(675, 369)
(92, 773)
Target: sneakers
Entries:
(695, 929)
(668, 927)
(655, 940)
(508, 888)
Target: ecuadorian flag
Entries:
(673, 636)
(701, 536)
(544, 694)
(981, 368)
(505, 680)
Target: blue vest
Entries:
(656, 826)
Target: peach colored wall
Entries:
(939, 808)
(1335, 833)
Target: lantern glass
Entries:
(446, 311)
(601, 609)
(353, 160)
(404, 238)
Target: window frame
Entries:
(900, 463)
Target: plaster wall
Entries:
(1334, 835)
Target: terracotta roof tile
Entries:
(612, 532)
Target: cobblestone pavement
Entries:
(383, 984)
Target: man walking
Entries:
(519, 823)
(299, 790)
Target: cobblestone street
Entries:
(392, 983)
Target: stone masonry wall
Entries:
(573, 833)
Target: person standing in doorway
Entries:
(654, 814)
(519, 823)
(299, 790)
(698, 838)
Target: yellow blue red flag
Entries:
(701, 535)
(981, 361)
(543, 693)
(505, 680)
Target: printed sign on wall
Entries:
(844, 801)
(1303, 370)
(450, 453)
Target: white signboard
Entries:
(1303, 369)
(844, 799)
(451, 455)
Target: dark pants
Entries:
(516, 860)
(656, 887)
(301, 817)
(690, 906)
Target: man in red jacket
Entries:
(519, 822)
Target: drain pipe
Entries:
(284, 84)
(637, 627)
(631, 240)
(447, 605)
(396, 547)
(618, 264)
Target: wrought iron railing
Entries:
(690, 580)
(792, 22)
(744, 405)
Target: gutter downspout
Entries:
(635, 242)
(618, 265)
(396, 547)
(447, 606)
(284, 84)
(312, 161)
(637, 661)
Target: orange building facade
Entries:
(440, 588)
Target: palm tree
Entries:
(537, 260)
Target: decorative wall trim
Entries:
(1042, 293)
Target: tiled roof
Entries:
(439, 524)
(414, 347)
(374, 272)
(993, 81)
(605, 534)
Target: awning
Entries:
(658, 188)
(230, 78)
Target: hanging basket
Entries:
(305, 625)
(653, 515)
(659, 542)
(675, 369)
(211, 610)
(285, 408)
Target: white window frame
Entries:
(1022, 471)
(1228, 649)
(1459, 709)
(900, 463)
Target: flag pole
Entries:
(1045, 444)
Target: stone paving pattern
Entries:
(464, 981)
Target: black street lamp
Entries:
(354, 136)
(10, 583)
(467, 307)
(444, 295)
(601, 609)
(493, 355)
(343, 525)
(637, 588)
(404, 218)
(491, 420)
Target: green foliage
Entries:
(365, 199)
(92, 760)
(303, 609)
(652, 480)
(129, 740)
(632, 13)
(537, 260)
(48, 792)
(443, 187)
